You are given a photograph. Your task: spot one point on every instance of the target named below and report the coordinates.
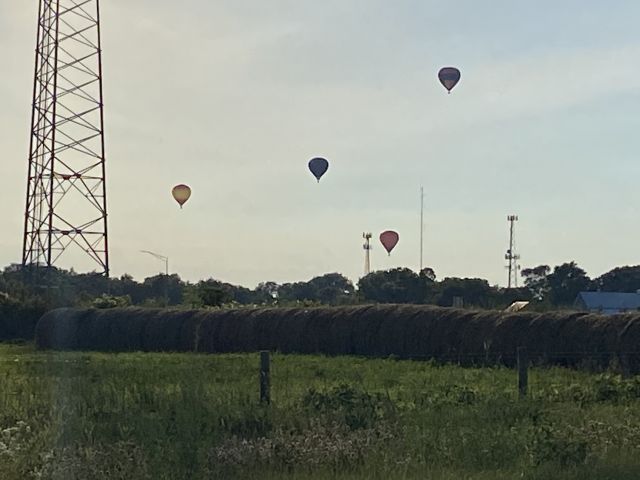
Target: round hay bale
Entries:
(57, 329)
(366, 324)
(289, 325)
(162, 332)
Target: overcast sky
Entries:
(234, 97)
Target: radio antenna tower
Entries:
(511, 254)
(367, 250)
(421, 224)
(66, 205)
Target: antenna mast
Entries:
(421, 224)
(367, 249)
(511, 256)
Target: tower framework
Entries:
(367, 252)
(66, 205)
(511, 256)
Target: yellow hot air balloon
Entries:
(181, 193)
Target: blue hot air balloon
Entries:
(449, 77)
(318, 167)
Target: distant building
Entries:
(608, 303)
(516, 306)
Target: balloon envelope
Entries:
(318, 167)
(181, 194)
(389, 239)
(449, 77)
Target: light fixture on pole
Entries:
(166, 273)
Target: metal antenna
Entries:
(421, 224)
(511, 255)
(66, 204)
(367, 249)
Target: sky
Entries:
(234, 97)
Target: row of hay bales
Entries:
(18, 320)
(406, 331)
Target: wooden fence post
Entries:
(523, 371)
(265, 367)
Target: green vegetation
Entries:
(26, 293)
(190, 416)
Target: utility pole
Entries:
(511, 256)
(421, 224)
(367, 249)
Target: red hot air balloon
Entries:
(181, 194)
(389, 239)
(449, 77)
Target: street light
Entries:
(166, 272)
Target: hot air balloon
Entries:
(318, 167)
(449, 77)
(181, 194)
(389, 239)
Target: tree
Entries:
(295, 292)
(621, 279)
(535, 279)
(474, 291)
(332, 288)
(154, 287)
(266, 292)
(428, 273)
(213, 293)
(566, 281)
(399, 285)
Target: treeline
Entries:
(557, 287)
(25, 293)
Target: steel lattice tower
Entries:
(66, 204)
(511, 254)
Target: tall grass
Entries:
(191, 416)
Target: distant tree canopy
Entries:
(548, 287)
(474, 292)
(565, 282)
(535, 279)
(400, 285)
(560, 286)
(329, 289)
(621, 279)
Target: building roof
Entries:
(618, 301)
(516, 306)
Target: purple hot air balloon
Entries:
(318, 167)
(389, 240)
(449, 77)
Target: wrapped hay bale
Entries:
(366, 327)
(58, 329)
(235, 333)
(443, 332)
(289, 325)
(336, 334)
(210, 321)
(392, 333)
(406, 331)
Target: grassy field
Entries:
(187, 416)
